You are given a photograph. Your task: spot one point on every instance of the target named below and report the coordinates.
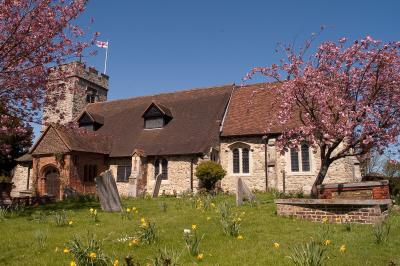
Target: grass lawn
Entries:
(260, 228)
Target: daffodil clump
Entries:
(93, 215)
(231, 222)
(129, 213)
(86, 253)
(192, 241)
(147, 232)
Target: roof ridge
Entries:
(164, 93)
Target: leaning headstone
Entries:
(157, 185)
(243, 192)
(108, 193)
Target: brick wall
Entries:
(366, 212)
(362, 190)
(71, 172)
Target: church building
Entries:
(139, 138)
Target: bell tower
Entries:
(78, 86)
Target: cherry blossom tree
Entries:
(346, 97)
(36, 36)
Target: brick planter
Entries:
(335, 210)
(361, 190)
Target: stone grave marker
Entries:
(157, 186)
(243, 192)
(108, 193)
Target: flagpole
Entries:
(105, 61)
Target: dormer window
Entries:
(156, 116)
(90, 121)
(156, 122)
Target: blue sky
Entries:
(165, 45)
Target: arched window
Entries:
(163, 165)
(305, 158)
(245, 160)
(156, 168)
(236, 166)
(300, 159)
(164, 168)
(240, 158)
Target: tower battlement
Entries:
(79, 85)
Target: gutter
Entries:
(226, 109)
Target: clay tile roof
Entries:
(25, 158)
(251, 110)
(194, 129)
(80, 139)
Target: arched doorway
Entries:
(52, 181)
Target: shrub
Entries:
(209, 172)
(309, 254)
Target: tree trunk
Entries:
(320, 178)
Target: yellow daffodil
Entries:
(142, 220)
(338, 220)
(325, 220)
(70, 222)
(134, 209)
(208, 218)
(212, 205)
(56, 249)
(92, 255)
(194, 226)
(116, 263)
(342, 248)
(243, 213)
(200, 256)
(95, 212)
(128, 210)
(91, 210)
(327, 242)
(66, 250)
(276, 245)
(240, 237)
(72, 263)
(134, 242)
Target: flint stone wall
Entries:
(279, 175)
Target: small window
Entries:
(305, 158)
(75, 160)
(163, 164)
(294, 160)
(245, 160)
(123, 173)
(241, 158)
(89, 173)
(156, 168)
(300, 159)
(91, 95)
(236, 167)
(156, 122)
(164, 169)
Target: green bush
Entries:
(209, 173)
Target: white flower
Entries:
(186, 231)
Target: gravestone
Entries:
(157, 186)
(108, 193)
(243, 192)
